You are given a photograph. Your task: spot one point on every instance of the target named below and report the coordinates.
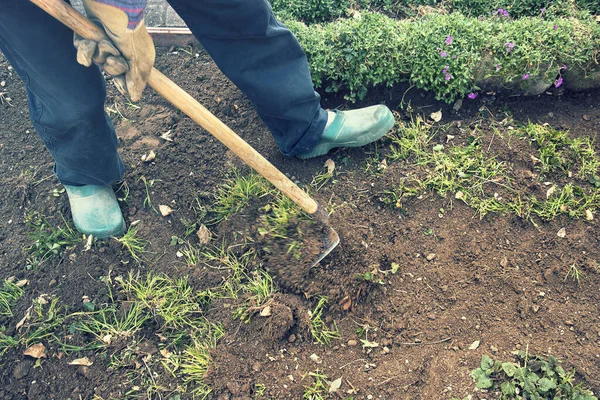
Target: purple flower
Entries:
(525, 76)
(454, 57)
(502, 12)
(472, 96)
(564, 67)
(558, 82)
(497, 66)
(445, 69)
(555, 26)
(448, 77)
(543, 10)
(444, 54)
(449, 40)
(509, 46)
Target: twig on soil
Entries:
(386, 381)
(429, 343)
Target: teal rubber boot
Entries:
(353, 128)
(95, 210)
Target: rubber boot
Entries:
(353, 128)
(95, 210)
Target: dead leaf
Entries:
(562, 232)
(22, 282)
(459, 195)
(589, 215)
(436, 116)
(474, 345)
(88, 243)
(266, 312)
(81, 361)
(346, 303)
(335, 385)
(165, 210)
(165, 353)
(330, 165)
(167, 136)
(586, 117)
(149, 157)
(204, 234)
(550, 192)
(38, 350)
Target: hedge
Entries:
(447, 54)
(310, 11)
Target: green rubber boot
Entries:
(353, 128)
(95, 210)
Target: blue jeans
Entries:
(66, 100)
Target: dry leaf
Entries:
(204, 234)
(22, 282)
(149, 157)
(335, 385)
(346, 303)
(550, 192)
(330, 165)
(561, 233)
(474, 345)
(81, 361)
(266, 312)
(38, 350)
(316, 358)
(88, 243)
(589, 215)
(437, 116)
(165, 210)
(167, 136)
(165, 353)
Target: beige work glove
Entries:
(129, 54)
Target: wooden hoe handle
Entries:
(186, 103)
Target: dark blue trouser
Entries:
(66, 100)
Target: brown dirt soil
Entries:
(498, 280)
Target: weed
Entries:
(44, 319)
(395, 196)
(575, 274)
(259, 290)
(319, 330)
(147, 185)
(196, 358)
(114, 109)
(49, 240)
(233, 195)
(134, 244)
(7, 343)
(111, 323)
(531, 378)
(123, 192)
(9, 294)
(191, 255)
(259, 389)
(319, 390)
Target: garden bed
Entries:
(425, 282)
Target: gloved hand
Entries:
(129, 54)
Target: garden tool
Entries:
(186, 103)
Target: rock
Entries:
(352, 343)
(504, 262)
(292, 338)
(315, 358)
(52, 283)
(474, 345)
(569, 323)
(562, 232)
(22, 369)
(386, 350)
(431, 256)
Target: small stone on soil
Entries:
(21, 370)
(562, 232)
(352, 343)
(316, 358)
(474, 345)
(431, 256)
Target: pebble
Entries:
(386, 350)
(292, 338)
(569, 323)
(352, 342)
(52, 283)
(431, 256)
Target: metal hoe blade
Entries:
(330, 242)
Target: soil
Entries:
(498, 280)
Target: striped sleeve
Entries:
(133, 8)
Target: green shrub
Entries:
(310, 10)
(446, 54)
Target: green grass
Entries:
(235, 193)
(470, 173)
(318, 328)
(9, 294)
(7, 343)
(258, 290)
(135, 245)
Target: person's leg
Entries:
(66, 99)
(66, 104)
(264, 60)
